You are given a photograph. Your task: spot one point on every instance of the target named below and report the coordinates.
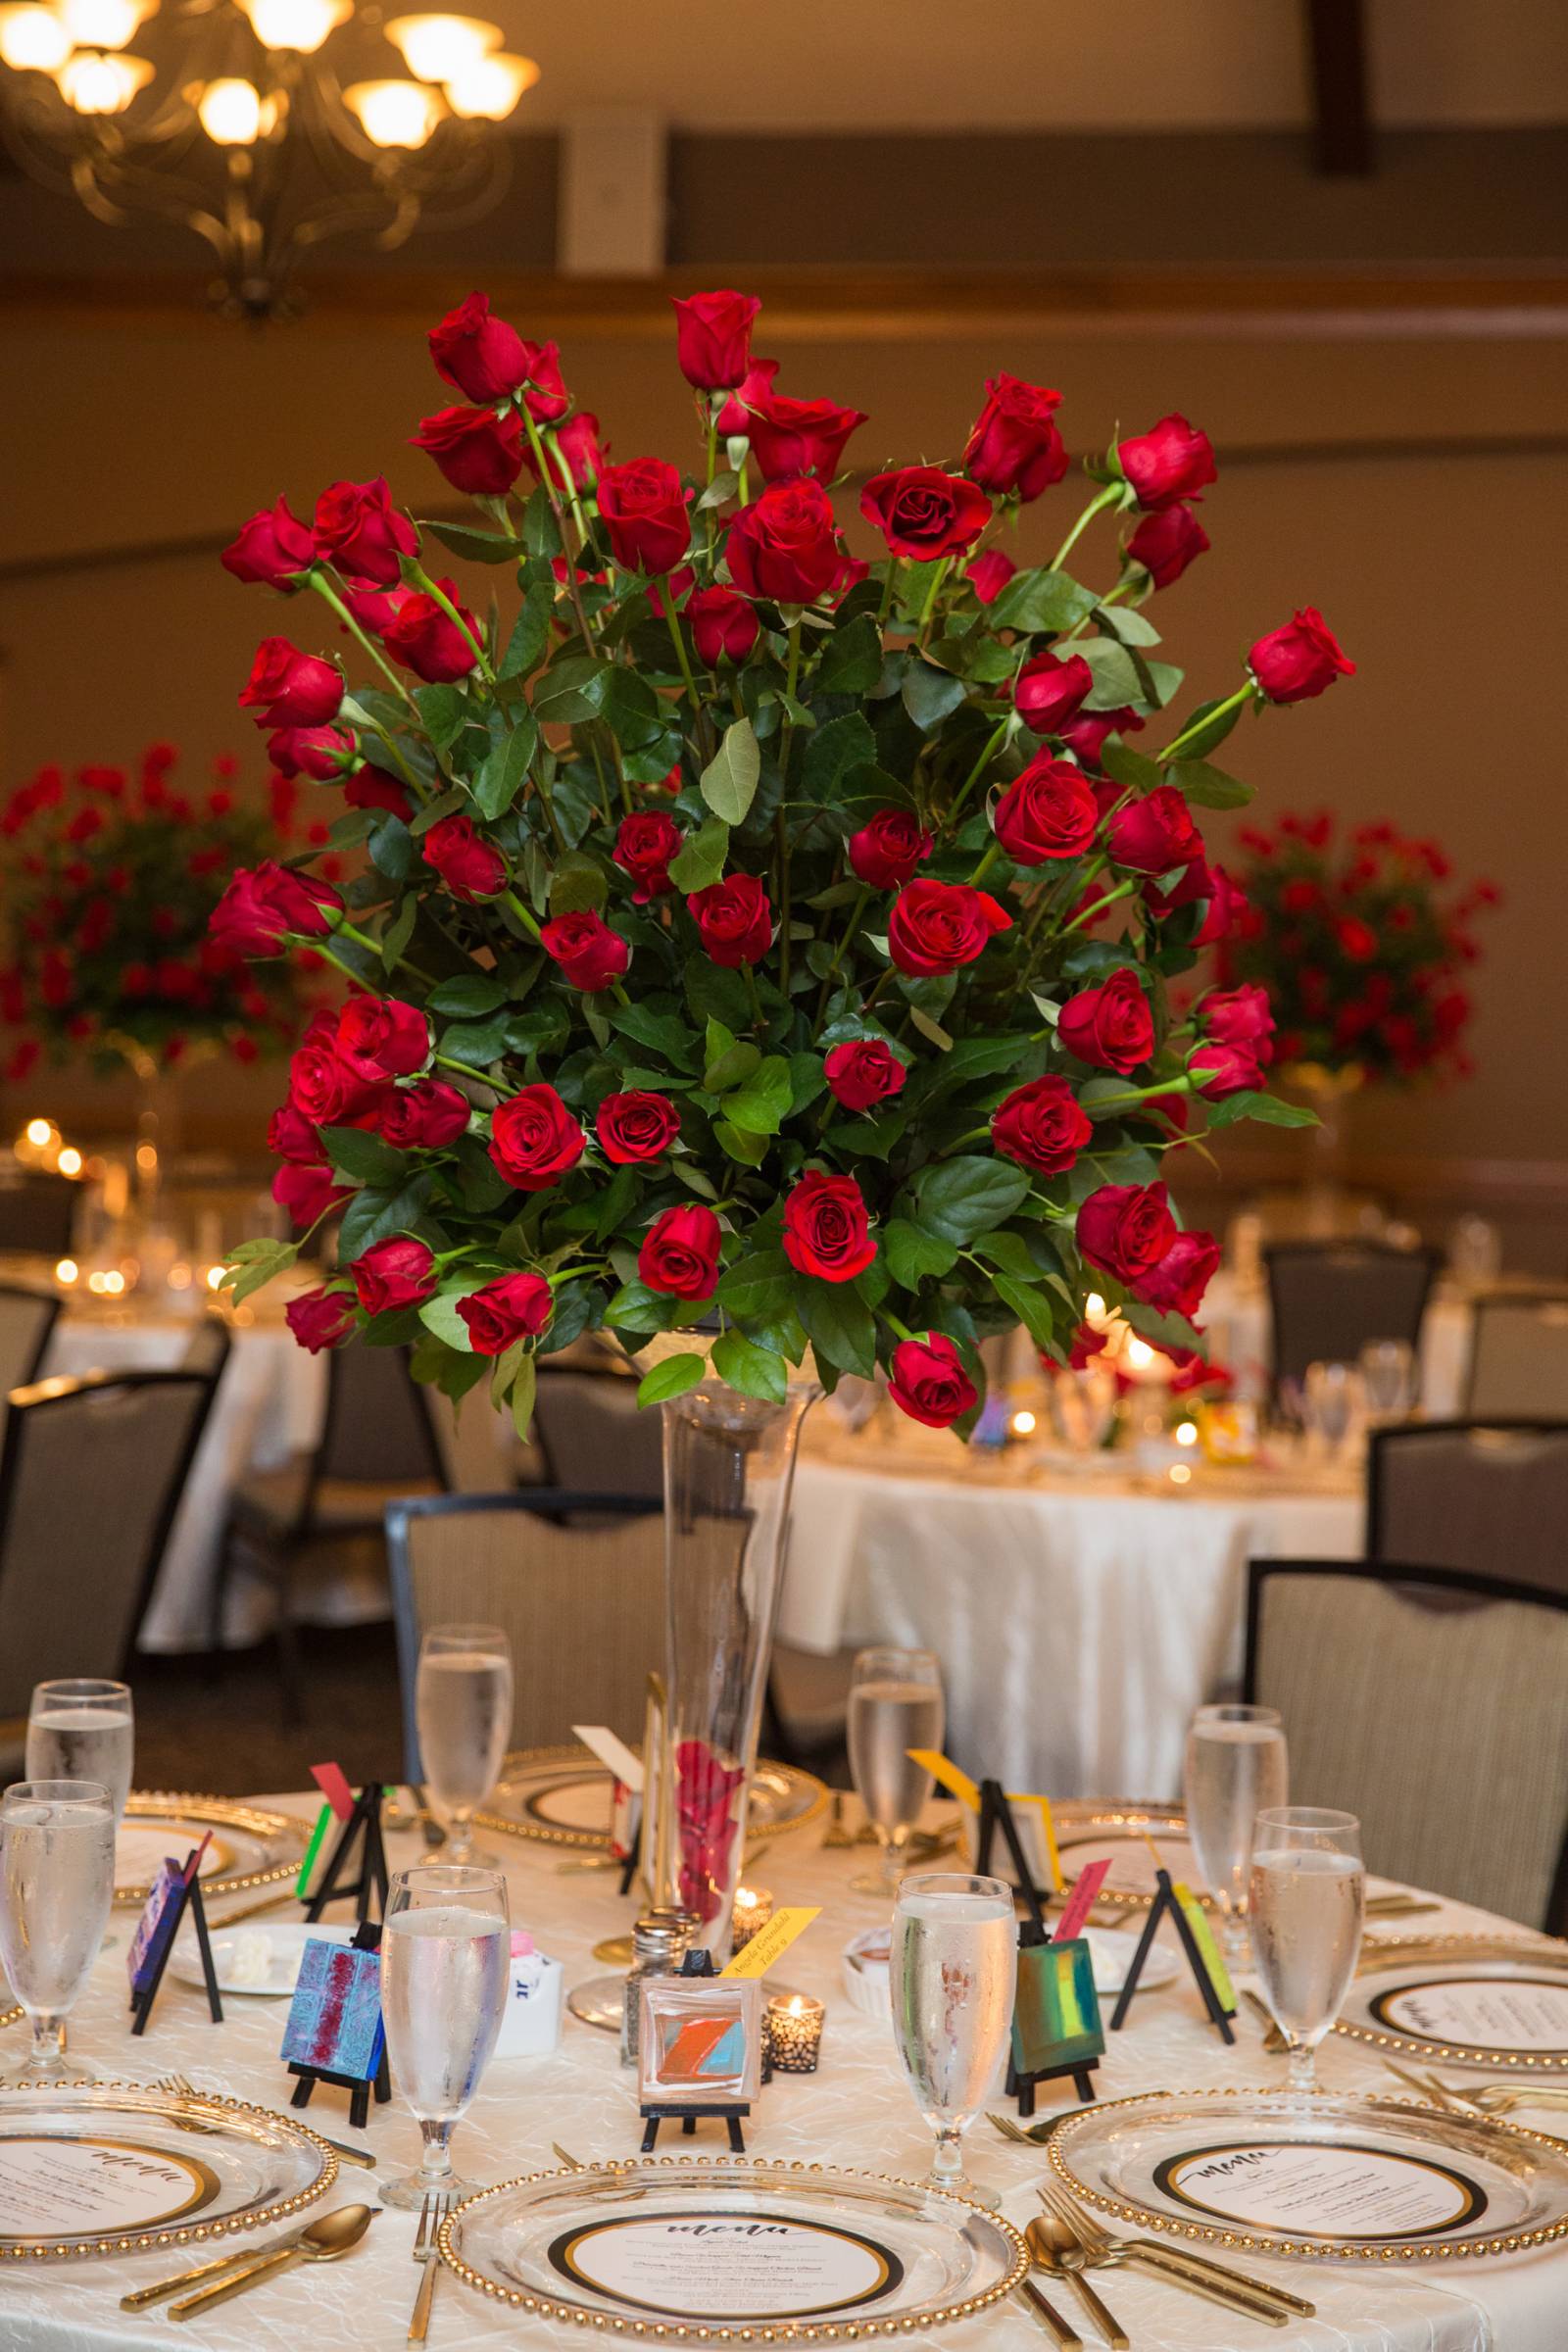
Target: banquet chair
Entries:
(37, 1213)
(1433, 1704)
(593, 1434)
(1490, 1497)
(1519, 1354)
(27, 1319)
(209, 1345)
(1328, 1298)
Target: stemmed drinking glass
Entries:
(896, 1704)
(1387, 1378)
(446, 1956)
(1236, 1769)
(1307, 1905)
(57, 1882)
(953, 1970)
(83, 1730)
(463, 1703)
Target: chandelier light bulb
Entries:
(490, 88)
(103, 23)
(395, 114)
(96, 84)
(298, 24)
(231, 113)
(32, 39)
(442, 48)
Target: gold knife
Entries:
(1257, 2305)
(203, 2270)
(237, 2282)
(1051, 2317)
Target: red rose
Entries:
(319, 751)
(1109, 1025)
(1239, 1016)
(373, 788)
(785, 544)
(721, 622)
(1357, 940)
(292, 1137)
(644, 510)
(791, 438)
(929, 1382)
(383, 1035)
(734, 418)
(327, 1089)
(1086, 731)
(397, 1272)
(1047, 692)
(590, 956)
(1221, 1070)
(579, 444)
(427, 1116)
(319, 1318)
(863, 1073)
(714, 338)
(360, 532)
(264, 904)
(1171, 461)
(1040, 1125)
(290, 689)
(1166, 542)
(308, 1193)
(923, 512)
(635, 1127)
(273, 550)
(481, 355)
(825, 1228)
(885, 853)
(990, 574)
(1047, 811)
(534, 1140)
(937, 926)
(424, 637)
(679, 1254)
(645, 844)
(1155, 835)
(735, 919)
(1086, 1344)
(1175, 1284)
(1015, 450)
(1126, 1229)
(516, 1307)
(469, 868)
(476, 450)
(1298, 660)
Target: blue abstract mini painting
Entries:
(160, 1916)
(334, 2020)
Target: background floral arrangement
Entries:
(752, 935)
(108, 882)
(1358, 948)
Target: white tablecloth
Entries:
(857, 2111)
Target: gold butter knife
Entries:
(193, 2277)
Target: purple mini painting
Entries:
(160, 1916)
(334, 2020)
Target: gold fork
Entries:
(1274, 2304)
(432, 2213)
(1487, 2098)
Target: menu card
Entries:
(1319, 2189)
(52, 2186)
(728, 2266)
(1493, 2013)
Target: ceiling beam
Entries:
(1341, 104)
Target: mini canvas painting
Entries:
(160, 1917)
(701, 2040)
(1055, 2016)
(334, 2020)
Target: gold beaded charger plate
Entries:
(561, 1795)
(728, 2250)
(1318, 2173)
(1495, 2001)
(251, 1845)
(1113, 1828)
(117, 2168)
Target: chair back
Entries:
(577, 1580)
(27, 1319)
(207, 1350)
(37, 1212)
(378, 1427)
(1519, 1354)
(593, 1435)
(91, 1473)
(1329, 1299)
(1434, 1705)
(1490, 1497)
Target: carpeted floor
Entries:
(216, 1726)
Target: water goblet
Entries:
(446, 1953)
(896, 1704)
(463, 1703)
(953, 1968)
(1236, 1768)
(83, 1730)
(57, 1882)
(1307, 1903)
(1332, 1405)
(1388, 1377)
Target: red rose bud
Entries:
(426, 639)
(543, 390)
(478, 452)
(714, 338)
(480, 353)
(990, 574)
(1015, 450)
(1239, 1016)
(1040, 1125)
(1086, 731)
(1221, 1070)
(361, 533)
(1166, 542)
(1171, 461)
(290, 689)
(1048, 812)
(1126, 1229)
(273, 550)
(319, 751)
(645, 512)
(1176, 1282)
(385, 1036)
(735, 920)
(1301, 660)
(929, 1382)
(1110, 1025)
(428, 1116)
(785, 545)
(292, 1137)
(792, 437)
(826, 1232)
(863, 1073)
(885, 853)
(307, 1194)
(590, 956)
(1155, 835)
(937, 926)
(1049, 692)
(516, 1307)
(645, 844)
(579, 444)
(735, 417)
(924, 514)
(721, 622)
(679, 1254)
(319, 1318)
(264, 904)
(398, 1272)
(1357, 940)
(469, 868)
(534, 1140)
(373, 788)
(327, 1089)
(634, 1127)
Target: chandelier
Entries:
(264, 125)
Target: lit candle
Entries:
(753, 1909)
(795, 2032)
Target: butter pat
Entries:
(535, 1995)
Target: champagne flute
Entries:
(952, 1972)
(1236, 1769)
(57, 1882)
(446, 1965)
(83, 1730)
(463, 1703)
(1308, 1907)
(896, 1704)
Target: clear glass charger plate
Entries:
(561, 1795)
(1320, 2175)
(733, 2250)
(140, 2169)
(1497, 2001)
(252, 1846)
(1113, 1828)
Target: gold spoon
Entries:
(334, 2234)
(1049, 2241)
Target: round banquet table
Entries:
(857, 2111)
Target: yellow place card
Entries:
(947, 1775)
(772, 1942)
(1203, 1937)
(1047, 1833)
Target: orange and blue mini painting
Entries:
(334, 2020)
(701, 2039)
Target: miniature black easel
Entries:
(661, 2111)
(184, 1898)
(1168, 1902)
(997, 1814)
(365, 1821)
(1022, 2086)
(366, 1938)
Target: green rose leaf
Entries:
(530, 632)
(372, 1215)
(440, 1315)
(444, 712)
(1208, 728)
(363, 1157)
(672, 1377)
(477, 547)
(1130, 768)
(506, 768)
(467, 995)
(523, 1389)
(1209, 787)
(663, 1033)
(912, 1254)
(749, 1149)
(700, 860)
(754, 1370)
(577, 883)
(1031, 1308)
(759, 1288)
(761, 1104)
(840, 1326)
(833, 752)
(960, 1198)
(930, 695)
(728, 783)
(1040, 603)
(572, 691)
(1268, 1109)
(1116, 674)
(851, 660)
